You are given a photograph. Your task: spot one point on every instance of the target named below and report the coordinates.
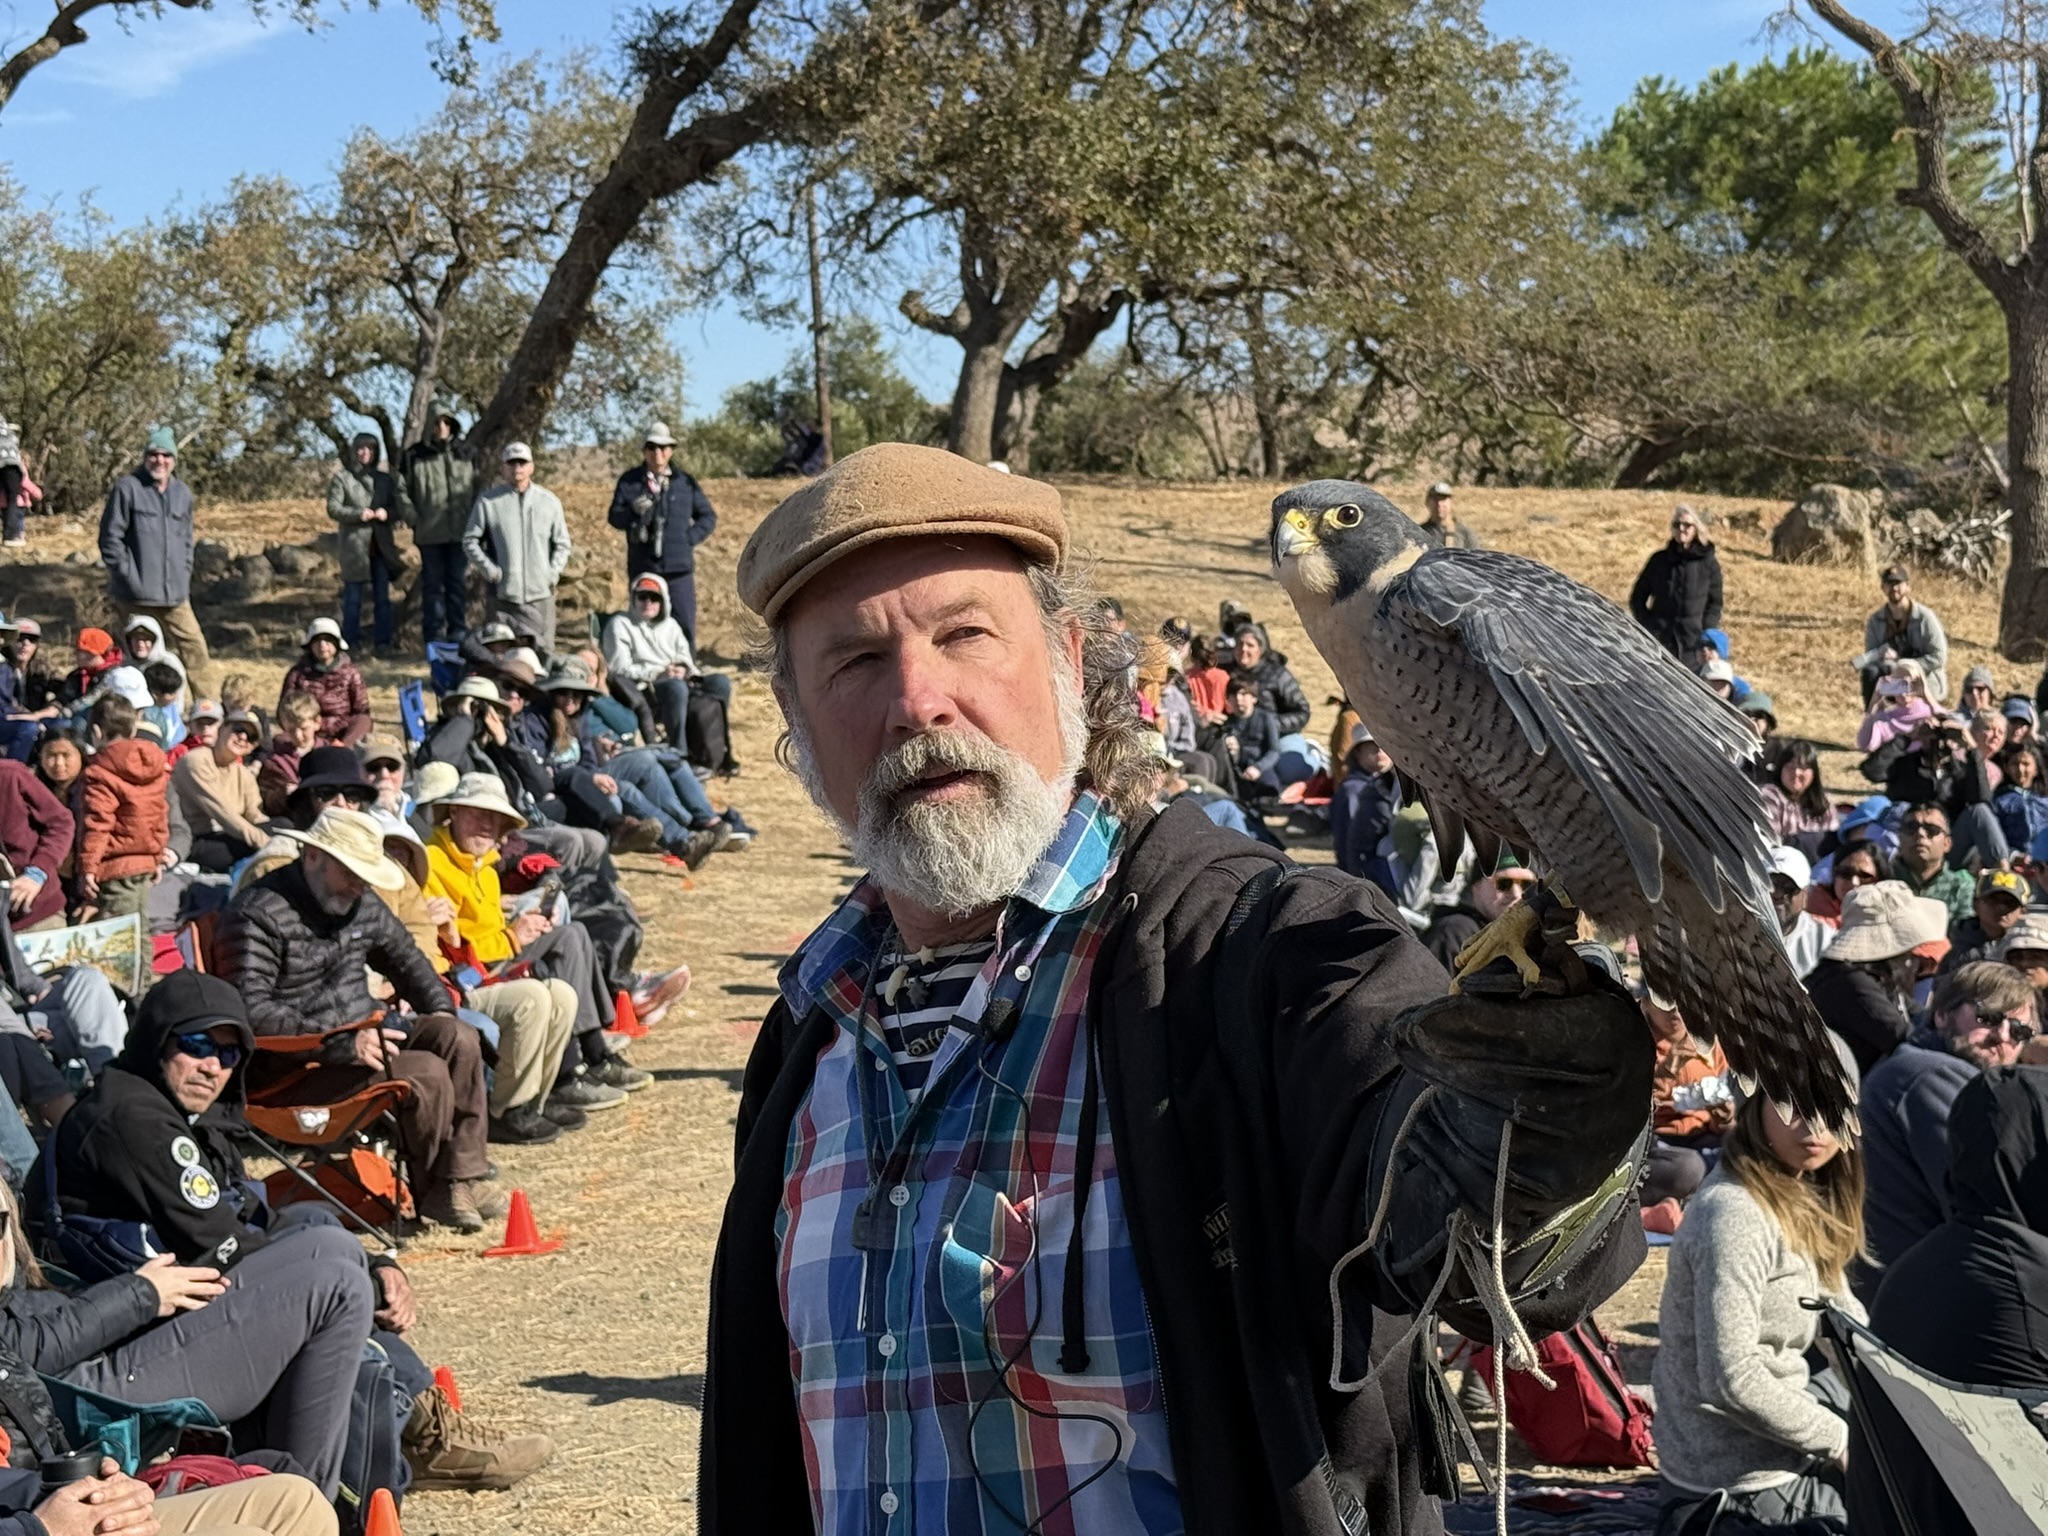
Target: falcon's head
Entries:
(1333, 537)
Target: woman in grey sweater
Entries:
(1738, 1415)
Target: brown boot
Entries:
(453, 1205)
(490, 1203)
(451, 1450)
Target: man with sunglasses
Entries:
(146, 546)
(1984, 1012)
(1922, 862)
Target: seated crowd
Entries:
(445, 914)
(1915, 912)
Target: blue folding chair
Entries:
(444, 664)
(412, 712)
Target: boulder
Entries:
(231, 636)
(246, 580)
(1830, 525)
(210, 560)
(298, 562)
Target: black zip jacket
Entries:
(1241, 1196)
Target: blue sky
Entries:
(173, 108)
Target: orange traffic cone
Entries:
(444, 1378)
(383, 1519)
(522, 1237)
(627, 1018)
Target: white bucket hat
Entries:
(356, 842)
(325, 627)
(480, 792)
(1886, 919)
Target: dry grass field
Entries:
(601, 1343)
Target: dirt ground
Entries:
(601, 1344)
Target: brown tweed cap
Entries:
(894, 491)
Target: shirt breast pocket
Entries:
(994, 1294)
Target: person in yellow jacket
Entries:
(462, 869)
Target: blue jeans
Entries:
(383, 627)
(443, 569)
(18, 738)
(664, 781)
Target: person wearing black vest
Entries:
(665, 515)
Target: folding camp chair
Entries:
(298, 1107)
(1931, 1457)
(412, 712)
(444, 665)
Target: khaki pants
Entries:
(278, 1505)
(128, 894)
(184, 636)
(535, 1019)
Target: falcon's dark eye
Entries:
(1347, 517)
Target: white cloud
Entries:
(152, 55)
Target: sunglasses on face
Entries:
(1508, 884)
(1923, 829)
(2015, 1030)
(357, 798)
(1857, 875)
(205, 1047)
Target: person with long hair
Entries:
(1798, 803)
(1740, 1418)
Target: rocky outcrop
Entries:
(1831, 525)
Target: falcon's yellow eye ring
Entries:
(1347, 517)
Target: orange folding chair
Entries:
(302, 1110)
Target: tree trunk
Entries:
(2023, 613)
(426, 379)
(972, 433)
(1649, 456)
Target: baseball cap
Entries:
(1717, 671)
(98, 641)
(30, 628)
(1792, 864)
(205, 709)
(2002, 882)
(518, 452)
(1441, 488)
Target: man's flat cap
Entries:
(894, 491)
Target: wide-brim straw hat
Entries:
(480, 792)
(354, 840)
(1886, 919)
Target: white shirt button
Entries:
(900, 1195)
(1023, 973)
(887, 1345)
(881, 1065)
(889, 1502)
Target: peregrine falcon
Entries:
(1533, 713)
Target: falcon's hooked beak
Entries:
(1299, 559)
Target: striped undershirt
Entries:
(919, 997)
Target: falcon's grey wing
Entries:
(1582, 679)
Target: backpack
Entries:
(1592, 1419)
(372, 1458)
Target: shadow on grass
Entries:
(685, 1391)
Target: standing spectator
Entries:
(665, 516)
(325, 671)
(1678, 596)
(1738, 1413)
(1864, 983)
(1922, 862)
(220, 798)
(1903, 630)
(1797, 801)
(146, 546)
(36, 834)
(1983, 1013)
(518, 538)
(363, 501)
(1363, 809)
(437, 485)
(1440, 524)
(17, 491)
(127, 814)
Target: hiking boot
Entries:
(635, 834)
(701, 844)
(490, 1204)
(616, 1072)
(523, 1125)
(452, 1205)
(581, 1093)
(564, 1116)
(655, 991)
(447, 1449)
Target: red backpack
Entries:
(1591, 1419)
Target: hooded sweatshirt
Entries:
(641, 651)
(130, 1152)
(127, 810)
(1970, 1300)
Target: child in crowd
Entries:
(1363, 809)
(298, 732)
(238, 697)
(127, 829)
(1252, 738)
(2022, 808)
(166, 686)
(202, 726)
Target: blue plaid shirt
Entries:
(923, 1246)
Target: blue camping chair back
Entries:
(134, 1434)
(444, 665)
(412, 712)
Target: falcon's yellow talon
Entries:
(1507, 935)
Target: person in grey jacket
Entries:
(437, 484)
(363, 502)
(1740, 1418)
(1903, 630)
(517, 536)
(146, 546)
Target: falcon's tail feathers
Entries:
(1732, 982)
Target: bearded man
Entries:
(1072, 1121)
